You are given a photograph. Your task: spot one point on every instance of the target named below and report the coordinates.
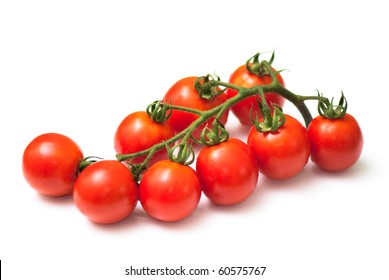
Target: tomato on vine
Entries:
(106, 192)
(138, 132)
(248, 76)
(50, 164)
(282, 153)
(195, 110)
(183, 93)
(228, 172)
(169, 191)
(336, 138)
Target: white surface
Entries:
(79, 67)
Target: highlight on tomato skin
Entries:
(336, 144)
(50, 164)
(106, 192)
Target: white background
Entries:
(79, 67)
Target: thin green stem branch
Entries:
(184, 109)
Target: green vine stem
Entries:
(207, 86)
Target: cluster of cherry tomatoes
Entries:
(106, 191)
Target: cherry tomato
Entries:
(138, 132)
(183, 93)
(283, 153)
(105, 192)
(169, 191)
(336, 144)
(242, 77)
(50, 164)
(228, 172)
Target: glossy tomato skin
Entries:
(105, 192)
(50, 164)
(138, 132)
(169, 191)
(242, 77)
(281, 154)
(183, 93)
(228, 172)
(336, 144)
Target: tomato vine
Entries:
(156, 147)
(208, 87)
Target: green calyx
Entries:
(158, 111)
(215, 135)
(270, 123)
(137, 170)
(182, 153)
(206, 89)
(254, 66)
(328, 110)
(87, 161)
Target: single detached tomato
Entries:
(50, 164)
(183, 93)
(283, 153)
(139, 132)
(336, 144)
(105, 192)
(228, 172)
(169, 191)
(242, 77)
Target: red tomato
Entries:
(105, 192)
(228, 172)
(139, 132)
(169, 191)
(242, 77)
(50, 164)
(183, 93)
(336, 144)
(283, 153)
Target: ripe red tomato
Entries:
(336, 144)
(228, 172)
(138, 132)
(105, 192)
(283, 153)
(169, 191)
(50, 164)
(183, 93)
(242, 77)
